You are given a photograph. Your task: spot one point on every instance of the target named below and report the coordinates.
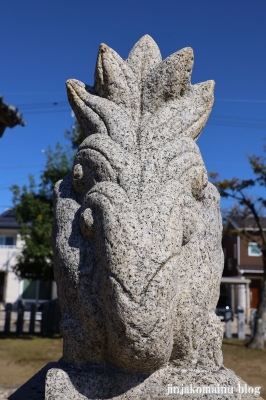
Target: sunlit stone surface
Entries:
(137, 236)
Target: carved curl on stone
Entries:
(137, 234)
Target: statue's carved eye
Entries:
(86, 224)
(199, 181)
(82, 178)
(77, 172)
(189, 224)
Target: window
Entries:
(40, 290)
(254, 250)
(2, 285)
(7, 241)
(235, 251)
(29, 289)
(229, 264)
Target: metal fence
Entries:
(44, 321)
(237, 327)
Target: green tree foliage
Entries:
(247, 205)
(33, 208)
(34, 212)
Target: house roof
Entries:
(9, 116)
(251, 268)
(246, 223)
(8, 220)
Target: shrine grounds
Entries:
(21, 357)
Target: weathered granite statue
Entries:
(137, 237)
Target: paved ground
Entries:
(5, 392)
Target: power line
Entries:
(236, 124)
(21, 166)
(30, 93)
(47, 111)
(240, 118)
(42, 105)
(242, 100)
(14, 183)
(217, 120)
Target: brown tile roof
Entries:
(253, 268)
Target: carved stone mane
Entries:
(137, 232)
(141, 196)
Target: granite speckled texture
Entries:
(137, 234)
(111, 383)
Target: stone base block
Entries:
(58, 382)
(167, 383)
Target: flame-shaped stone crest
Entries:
(133, 252)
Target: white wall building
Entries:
(10, 246)
(12, 288)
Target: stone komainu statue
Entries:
(137, 238)
(137, 241)
(137, 233)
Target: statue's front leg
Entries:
(78, 282)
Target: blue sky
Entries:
(44, 43)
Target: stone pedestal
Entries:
(59, 382)
(166, 383)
